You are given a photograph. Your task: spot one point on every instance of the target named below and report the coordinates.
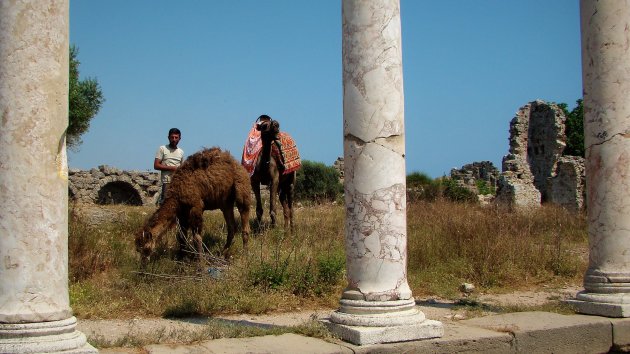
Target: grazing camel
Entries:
(207, 180)
(267, 172)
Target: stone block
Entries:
(373, 335)
(600, 308)
(621, 334)
(543, 332)
(456, 339)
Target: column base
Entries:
(607, 305)
(372, 322)
(374, 335)
(43, 337)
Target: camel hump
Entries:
(204, 159)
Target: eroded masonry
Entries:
(535, 170)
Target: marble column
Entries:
(35, 314)
(377, 306)
(606, 81)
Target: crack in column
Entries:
(362, 142)
(625, 134)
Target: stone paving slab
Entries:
(285, 343)
(519, 332)
(621, 334)
(544, 332)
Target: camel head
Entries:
(145, 244)
(268, 129)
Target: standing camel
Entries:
(209, 179)
(269, 171)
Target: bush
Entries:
(416, 179)
(422, 187)
(484, 188)
(317, 182)
(456, 193)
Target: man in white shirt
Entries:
(167, 160)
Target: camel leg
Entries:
(286, 211)
(196, 225)
(228, 215)
(243, 210)
(288, 187)
(290, 206)
(181, 233)
(259, 206)
(273, 192)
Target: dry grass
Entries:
(451, 243)
(447, 244)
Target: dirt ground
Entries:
(434, 309)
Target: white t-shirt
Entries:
(169, 157)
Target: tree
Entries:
(85, 100)
(574, 129)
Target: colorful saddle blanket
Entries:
(253, 147)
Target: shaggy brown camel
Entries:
(266, 172)
(207, 180)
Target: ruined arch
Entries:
(118, 192)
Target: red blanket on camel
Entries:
(253, 147)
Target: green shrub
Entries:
(456, 193)
(416, 179)
(484, 188)
(330, 268)
(317, 182)
(422, 187)
(299, 276)
(269, 276)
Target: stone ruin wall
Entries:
(468, 175)
(534, 170)
(109, 185)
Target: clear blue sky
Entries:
(211, 67)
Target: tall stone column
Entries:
(35, 314)
(377, 306)
(606, 80)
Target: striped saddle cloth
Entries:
(253, 147)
